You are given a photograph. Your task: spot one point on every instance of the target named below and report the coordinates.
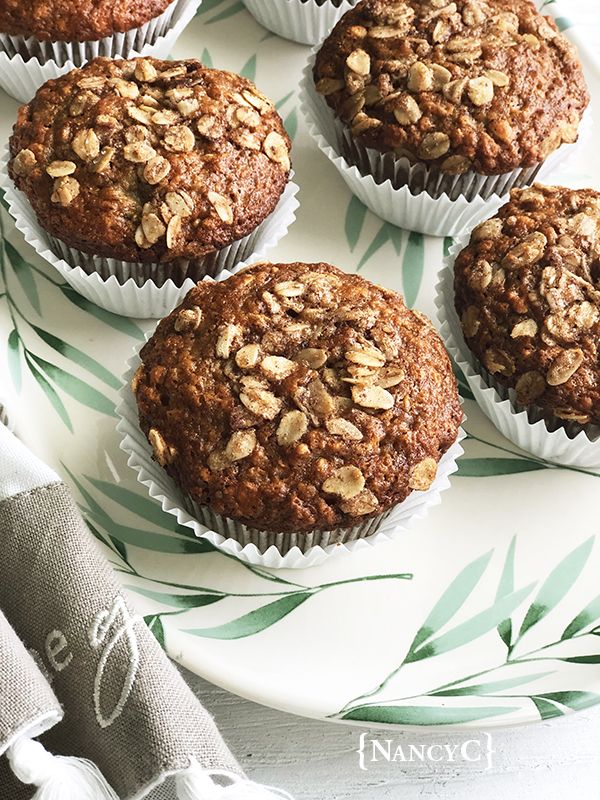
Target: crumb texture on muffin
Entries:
(487, 85)
(528, 294)
(295, 397)
(76, 20)
(149, 160)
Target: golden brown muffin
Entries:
(148, 160)
(296, 397)
(483, 85)
(528, 294)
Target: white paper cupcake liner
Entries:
(141, 290)
(285, 551)
(552, 440)
(27, 63)
(304, 21)
(459, 202)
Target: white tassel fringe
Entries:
(196, 783)
(57, 777)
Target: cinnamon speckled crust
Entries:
(76, 20)
(309, 439)
(150, 160)
(488, 85)
(528, 294)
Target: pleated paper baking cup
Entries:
(414, 196)
(148, 291)
(27, 63)
(304, 21)
(283, 550)
(551, 439)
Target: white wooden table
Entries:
(556, 760)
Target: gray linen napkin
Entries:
(126, 708)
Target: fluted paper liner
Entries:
(276, 550)
(550, 439)
(27, 63)
(428, 202)
(142, 290)
(304, 21)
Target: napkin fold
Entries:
(78, 665)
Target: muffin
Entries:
(304, 21)
(150, 169)
(465, 99)
(527, 292)
(297, 400)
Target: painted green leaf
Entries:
(24, 275)
(563, 23)
(451, 600)
(463, 387)
(472, 628)
(487, 467)
(574, 699)
(227, 12)
(249, 69)
(424, 715)
(557, 584)
(493, 687)
(589, 615)
(595, 659)
(396, 236)
(206, 58)
(78, 389)
(142, 506)
(122, 324)
(154, 622)
(110, 541)
(355, 218)
(78, 357)
(546, 710)
(381, 237)
(291, 123)
(506, 586)
(256, 621)
(413, 264)
(49, 391)
(179, 600)
(283, 100)
(14, 359)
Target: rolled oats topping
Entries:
(472, 84)
(297, 397)
(199, 149)
(531, 313)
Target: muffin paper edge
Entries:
(303, 21)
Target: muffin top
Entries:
(528, 294)
(76, 20)
(148, 160)
(294, 397)
(488, 85)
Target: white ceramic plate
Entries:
(485, 613)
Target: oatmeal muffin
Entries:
(295, 397)
(70, 21)
(527, 291)
(150, 161)
(486, 86)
